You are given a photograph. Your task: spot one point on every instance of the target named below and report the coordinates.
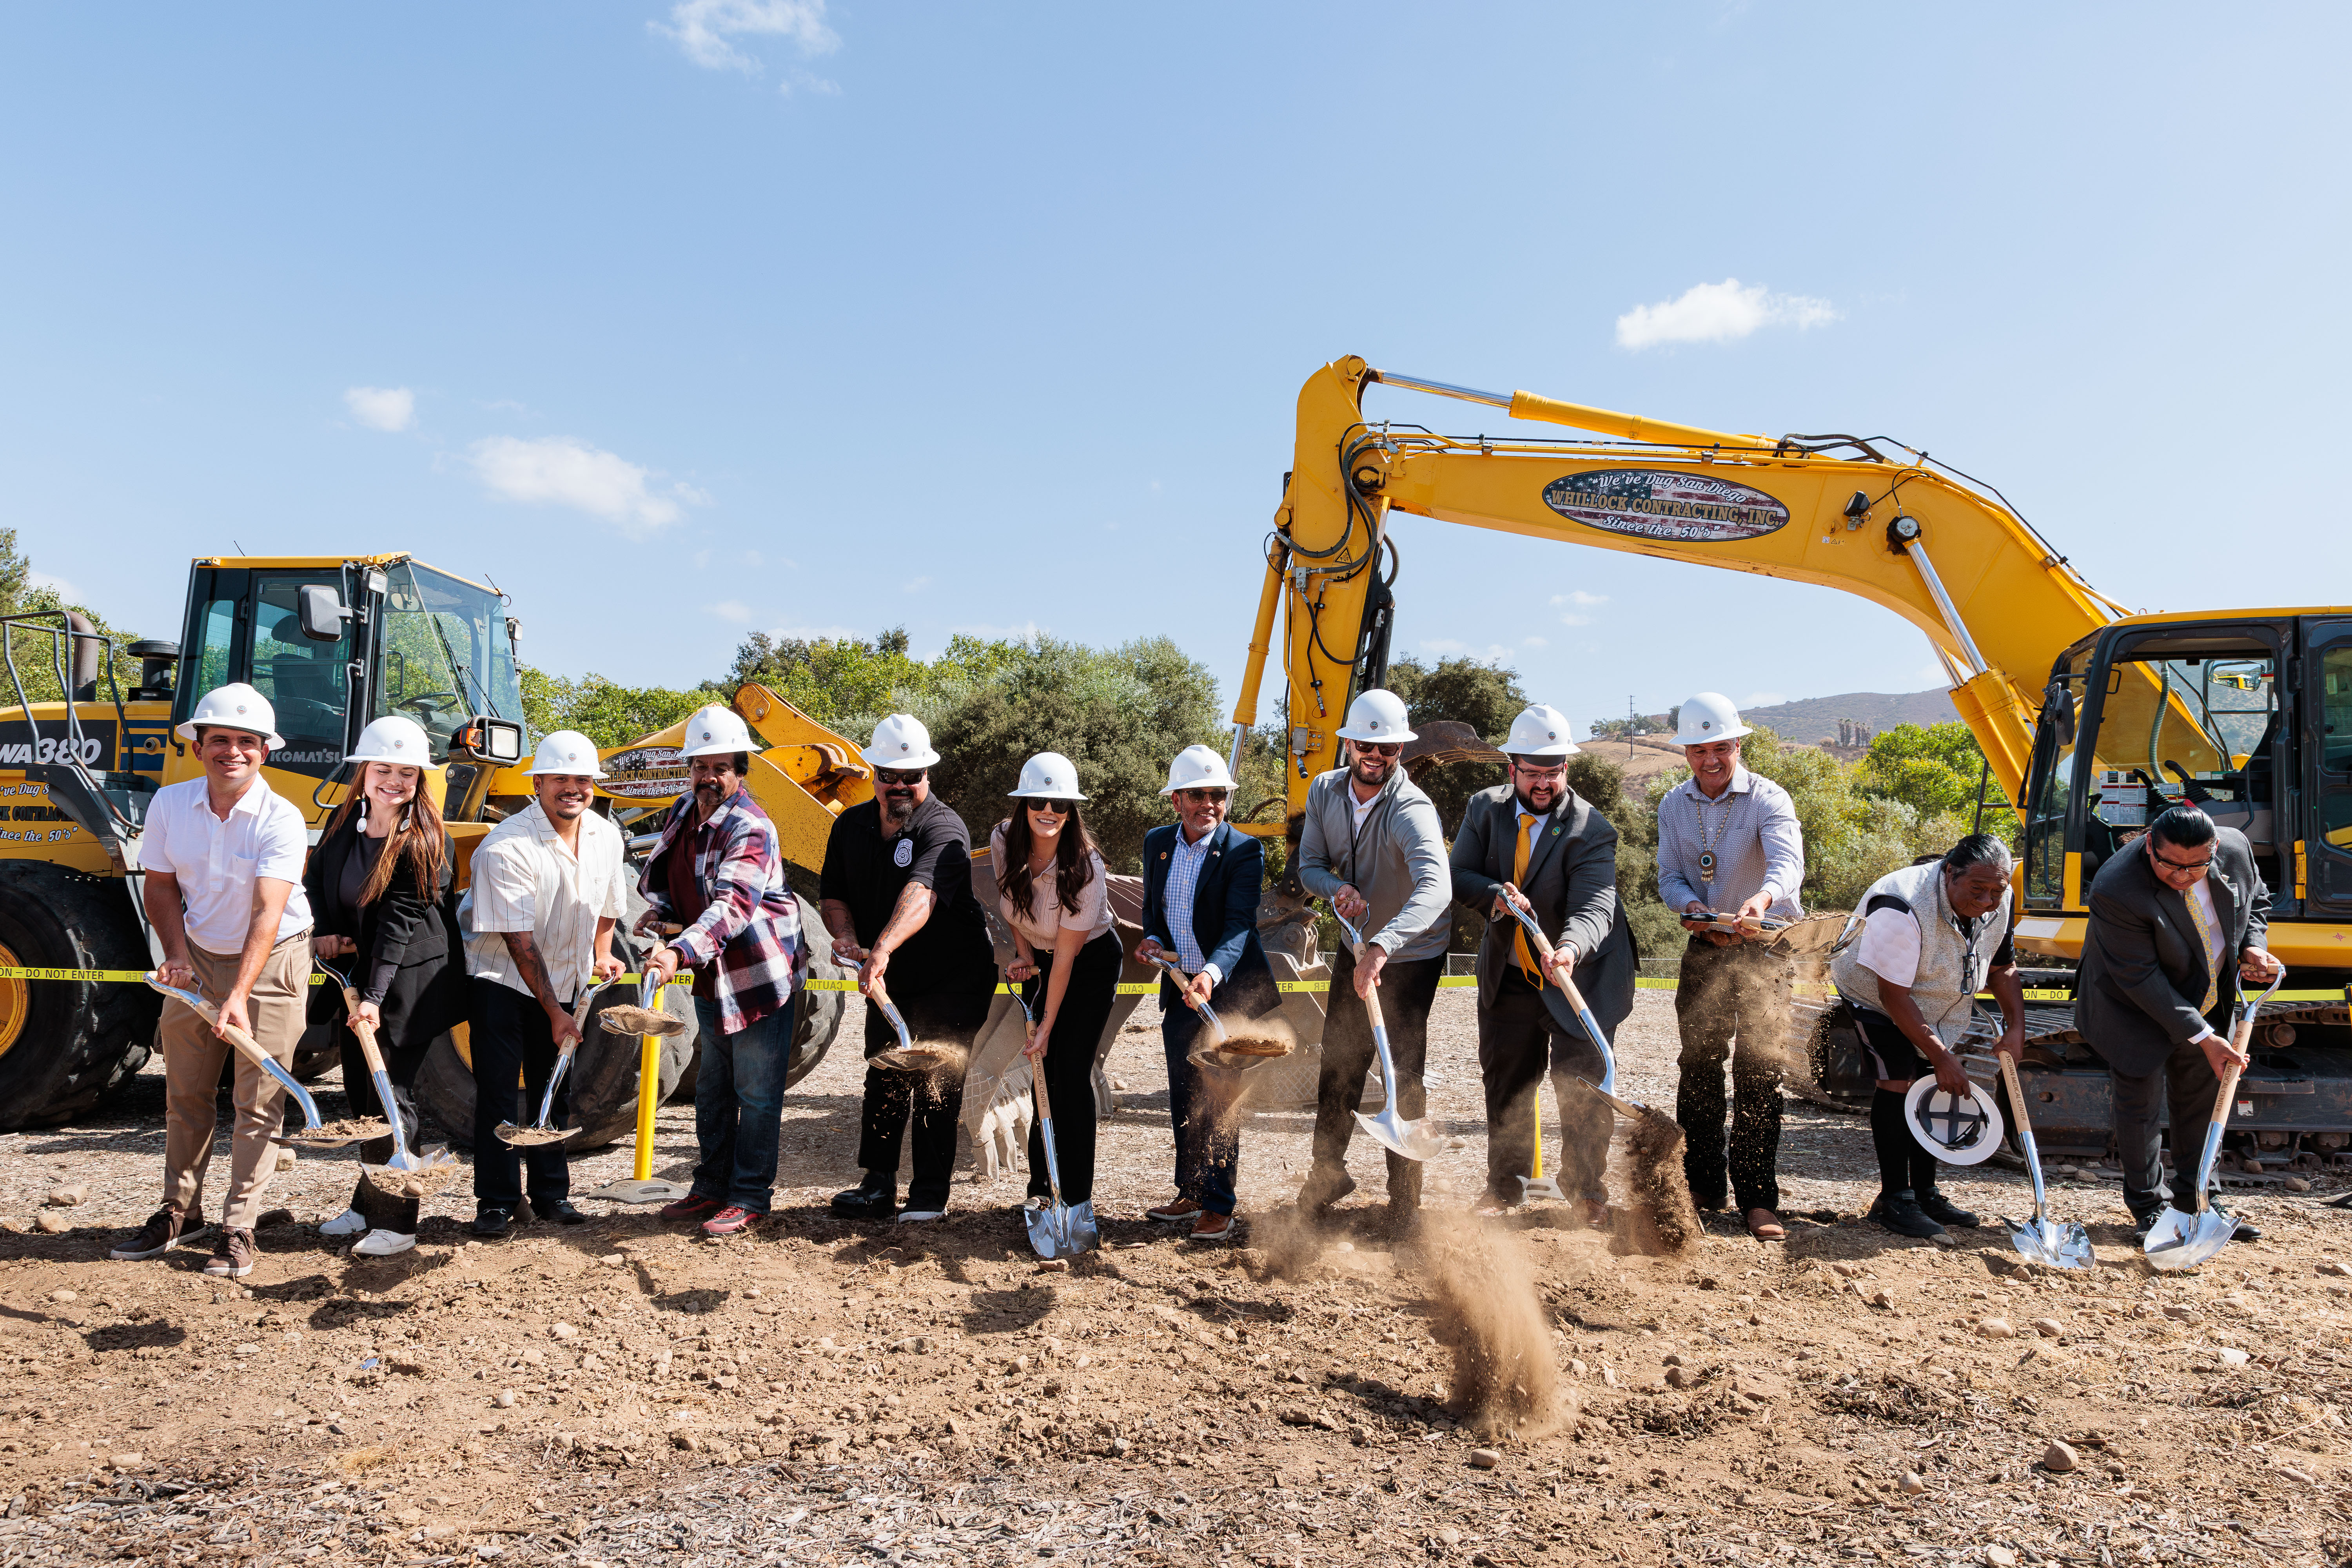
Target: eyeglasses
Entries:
(2187, 868)
(894, 777)
(1053, 807)
(1379, 748)
(1531, 770)
(1214, 795)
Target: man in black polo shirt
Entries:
(896, 896)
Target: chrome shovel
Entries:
(2057, 1244)
(1607, 1087)
(2178, 1240)
(400, 1159)
(246, 1047)
(543, 1132)
(1056, 1229)
(1410, 1139)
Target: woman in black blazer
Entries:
(379, 882)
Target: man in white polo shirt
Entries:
(223, 856)
(547, 893)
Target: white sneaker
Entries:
(921, 1216)
(383, 1244)
(351, 1222)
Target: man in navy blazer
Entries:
(1200, 886)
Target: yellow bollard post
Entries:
(1537, 1186)
(648, 1090)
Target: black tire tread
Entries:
(100, 1033)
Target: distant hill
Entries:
(1811, 720)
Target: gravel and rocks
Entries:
(825, 1393)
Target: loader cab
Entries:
(2249, 718)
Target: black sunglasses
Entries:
(1056, 807)
(1380, 748)
(894, 776)
(1202, 794)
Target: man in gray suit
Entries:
(2177, 920)
(1530, 842)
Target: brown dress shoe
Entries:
(1213, 1228)
(232, 1254)
(166, 1228)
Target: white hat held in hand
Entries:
(566, 751)
(716, 731)
(1377, 715)
(392, 739)
(1048, 775)
(1709, 717)
(1539, 731)
(1197, 767)
(235, 705)
(901, 741)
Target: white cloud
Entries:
(1443, 646)
(1580, 597)
(734, 610)
(915, 587)
(1575, 620)
(563, 471)
(706, 30)
(1535, 642)
(1718, 313)
(702, 558)
(382, 407)
(66, 592)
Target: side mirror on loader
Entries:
(321, 613)
(486, 740)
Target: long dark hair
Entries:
(1073, 856)
(420, 839)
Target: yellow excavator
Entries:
(2090, 717)
(333, 641)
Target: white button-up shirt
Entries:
(524, 878)
(1184, 877)
(217, 862)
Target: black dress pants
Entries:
(397, 1214)
(932, 1104)
(1741, 992)
(511, 1035)
(2186, 1082)
(1519, 1041)
(1407, 988)
(1069, 1064)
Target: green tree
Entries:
(605, 711)
(1486, 697)
(1936, 769)
(37, 653)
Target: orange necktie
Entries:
(1518, 881)
(2206, 935)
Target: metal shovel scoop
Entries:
(250, 1049)
(398, 1174)
(2178, 1240)
(541, 1131)
(1607, 1087)
(1056, 1229)
(2057, 1244)
(1412, 1139)
(906, 1056)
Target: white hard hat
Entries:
(1197, 767)
(901, 741)
(716, 731)
(1709, 716)
(1048, 775)
(1539, 731)
(392, 739)
(235, 705)
(566, 751)
(1377, 715)
(1957, 1132)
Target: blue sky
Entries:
(683, 320)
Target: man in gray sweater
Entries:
(1372, 845)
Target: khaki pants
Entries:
(191, 1067)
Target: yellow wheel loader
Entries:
(2091, 718)
(332, 642)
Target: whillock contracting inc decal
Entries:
(647, 773)
(1646, 503)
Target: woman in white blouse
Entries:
(1052, 891)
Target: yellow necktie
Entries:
(2205, 934)
(1518, 881)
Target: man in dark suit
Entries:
(1530, 842)
(1200, 886)
(2176, 922)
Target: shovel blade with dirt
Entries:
(2053, 1243)
(250, 1049)
(542, 1131)
(1056, 1229)
(2181, 1239)
(404, 1175)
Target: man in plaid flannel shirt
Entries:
(719, 873)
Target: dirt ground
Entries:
(828, 1392)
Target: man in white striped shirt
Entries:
(1728, 843)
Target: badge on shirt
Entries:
(903, 855)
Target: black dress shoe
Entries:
(493, 1221)
(875, 1197)
(1900, 1212)
(561, 1211)
(1944, 1211)
(2144, 1221)
(2245, 1231)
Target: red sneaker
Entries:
(691, 1206)
(732, 1220)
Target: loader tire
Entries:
(603, 1086)
(818, 1022)
(1839, 1073)
(65, 1044)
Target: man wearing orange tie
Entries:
(1532, 843)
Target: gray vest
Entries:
(1952, 964)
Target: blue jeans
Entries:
(739, 1106)
(1208, 1158)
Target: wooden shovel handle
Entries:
(246, 1044)
(1037, 1083)
(363, 1030)
(1371, 997)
